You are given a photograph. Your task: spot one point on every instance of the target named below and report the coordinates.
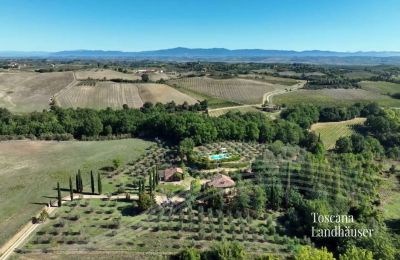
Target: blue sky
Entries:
(339, 25)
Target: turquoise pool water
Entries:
(219, 156)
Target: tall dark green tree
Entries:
(58, 194)
(99, 186)
(77, 183)
(71, 189)
(92, 181)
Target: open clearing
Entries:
(335, 97)
(242, 91)
(110, 94)
(331, 131)
(381, 87)
(30, 170)
(31, 91)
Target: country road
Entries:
(20, 237)
(267, 98)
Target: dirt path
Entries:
(19, 238)
(267, 98)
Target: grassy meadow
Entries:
(334, 97)
(331, 131)
(31, 169)
(381, 87)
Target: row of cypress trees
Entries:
(79, 186)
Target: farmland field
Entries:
(157, 233)
(270, 79)
(30, 170)
(335, 97)
(243, 91)
(109, 94)
(220, 112)
(380, 87)
(104, 73)
(162, 93)
(331, 131)
(31, 91)
(359, 75)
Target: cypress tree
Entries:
(71, 190)
(58, 194)
(150, 184)
(92, 181)
(80, 184)
(77, 182)
(99, 187)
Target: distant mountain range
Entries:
(213, 54)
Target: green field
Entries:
(213, 102)
(31, 169)
(381, 87)
(221, 112)
(359, 75)
(335, 97)
(331, 131)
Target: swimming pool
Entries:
(219, 156)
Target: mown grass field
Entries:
(110, 94)
(31, 169)
(335, 97)
(31, 91)
(242, 91)
(331, 131)
(381, 87)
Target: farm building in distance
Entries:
(172, 174)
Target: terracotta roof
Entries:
(221, 181)
(169, 172)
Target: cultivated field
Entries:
(105, 74)
(380, 87)
(162, 93)
(30, 91)
(331, 131)
(335, 97)
(30, 170)
(269, 79)
(109, 94)
(108, 74)
(109, 225)
(243, 91)
(220, 112)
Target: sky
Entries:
(131, 25)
